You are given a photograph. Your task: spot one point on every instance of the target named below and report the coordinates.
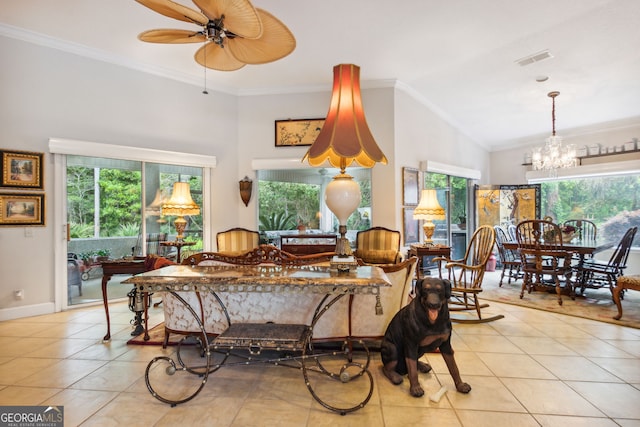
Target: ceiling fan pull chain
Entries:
(205, 70)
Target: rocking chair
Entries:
(466, 275)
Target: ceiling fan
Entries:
(234, 33)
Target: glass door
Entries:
(114, 211)
(453, 196)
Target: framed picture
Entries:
(21, 169)
(411, 227)
(296, 133)
(21, 209)
(410, 187)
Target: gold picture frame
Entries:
(21, 169)
(411, 227)
(297, 133)
(410, 187)
(20, 209)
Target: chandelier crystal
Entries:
(554, 155)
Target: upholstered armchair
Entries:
(237, 240)
(378, 245)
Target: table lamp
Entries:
(345, 138)
(180, 204)
(429, 209)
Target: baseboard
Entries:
(26, 311)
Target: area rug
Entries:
(156, 337)
(596, 304)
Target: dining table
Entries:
(582, 248)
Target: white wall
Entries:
(49, 93)
(606, 136)
(257, 115)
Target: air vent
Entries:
(536, 57)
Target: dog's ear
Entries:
(447, 288)
(418, 287)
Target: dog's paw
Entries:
(416, 391)
(393, 376)
(463, 387)
(424, 367)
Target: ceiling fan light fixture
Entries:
(235, 33)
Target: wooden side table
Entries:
(178, 244)
(431, 251)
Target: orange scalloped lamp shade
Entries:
(345, 137)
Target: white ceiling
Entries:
(458, 57)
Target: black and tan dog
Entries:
(421, 326)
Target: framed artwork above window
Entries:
(296, 133)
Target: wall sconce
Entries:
(246, 186)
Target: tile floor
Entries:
(531, 368)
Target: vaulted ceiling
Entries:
(458, 57)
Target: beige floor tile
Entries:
(516, 329)
(63, 330)
(27, 396)
(113, 376)
(626, 369)
(576, 368)
(561, 329)
(370, 415)
(468, 363)
(542, 345)
(614, 400)
(127, 409)
(515, 366)
(219, 412)
(62, 374)
(109, 350)
(20, 368)
(79, 405)
(550, 397)
(487, 394)
(496, 419)
(19, 328)
(590, 347)
(564, 421)
(490, 343)
(18, 347)
(400, 416)
(63, 348)
(629, 346)
(268, 413)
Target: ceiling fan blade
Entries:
(217, 58)
(175, 11)
(172, 36)
(240, 17)
(276, 42)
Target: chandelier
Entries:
(554, 155)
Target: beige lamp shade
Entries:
(180, 204)
(345, 137)
(429, 209)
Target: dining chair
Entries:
(466, 275)
(587, 230)
(598, 274)
(509, 258)
(511, 232)
(544, 261)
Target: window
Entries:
(611, 202)
(292, 200)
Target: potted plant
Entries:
(102, 254)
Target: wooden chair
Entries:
(509, 258)
(378, 245)
(237, 240)
(597, 274)
(544, 261)
(466, 274)
(586, 230)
